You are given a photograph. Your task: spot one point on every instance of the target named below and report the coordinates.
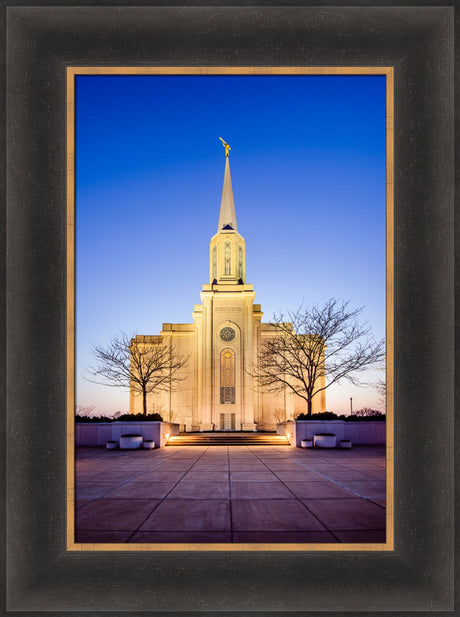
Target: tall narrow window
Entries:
(240, 262)
(227, 258)
(227, 377)
(214, 262)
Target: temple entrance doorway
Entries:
(227, 421)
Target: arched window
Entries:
(240, 262)
(227, 377)
(227, 258)
(214, 262)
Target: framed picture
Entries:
(230, 497)
(411, 44)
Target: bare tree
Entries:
(138, 363)
(280, 415)
(315, 348)
(84, 411)
(381, 387)
(368, 412)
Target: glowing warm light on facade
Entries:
(216, 391)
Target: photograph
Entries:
(229, 293)
(231, 263)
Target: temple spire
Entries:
(227, 216)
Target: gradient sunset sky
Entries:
(308, 171)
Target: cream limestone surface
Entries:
(216, 390)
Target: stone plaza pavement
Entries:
(242, 494)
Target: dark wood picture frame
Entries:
(41, 575)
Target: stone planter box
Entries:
(345, 443)
(366, 433)
(99, 433)
(130, 442)
(149, 444)
(111, 445)
(307, 443)
(325, 440)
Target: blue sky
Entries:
(308, 173)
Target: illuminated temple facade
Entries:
(216, 391)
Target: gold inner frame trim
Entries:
(71, 72)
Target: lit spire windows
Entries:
(227, 258)
(214, 262)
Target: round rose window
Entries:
(227, 334)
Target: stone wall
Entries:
(366, 433)
(98, 433)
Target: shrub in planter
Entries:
(353, 418)
(126, 417)
(322, 415)
(330, 415)
(140, 417)
(95, 419)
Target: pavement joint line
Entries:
(305, 505)
(166, 496)
(161, 501)
(375, 503)
(340, 485)
(230, 497)
(108, 491)
(333, 534)
(254, 453)
(125, 483)
(302, 503)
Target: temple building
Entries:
(216, 391)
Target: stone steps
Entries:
(228, 439)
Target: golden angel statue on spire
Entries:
(226, 146)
